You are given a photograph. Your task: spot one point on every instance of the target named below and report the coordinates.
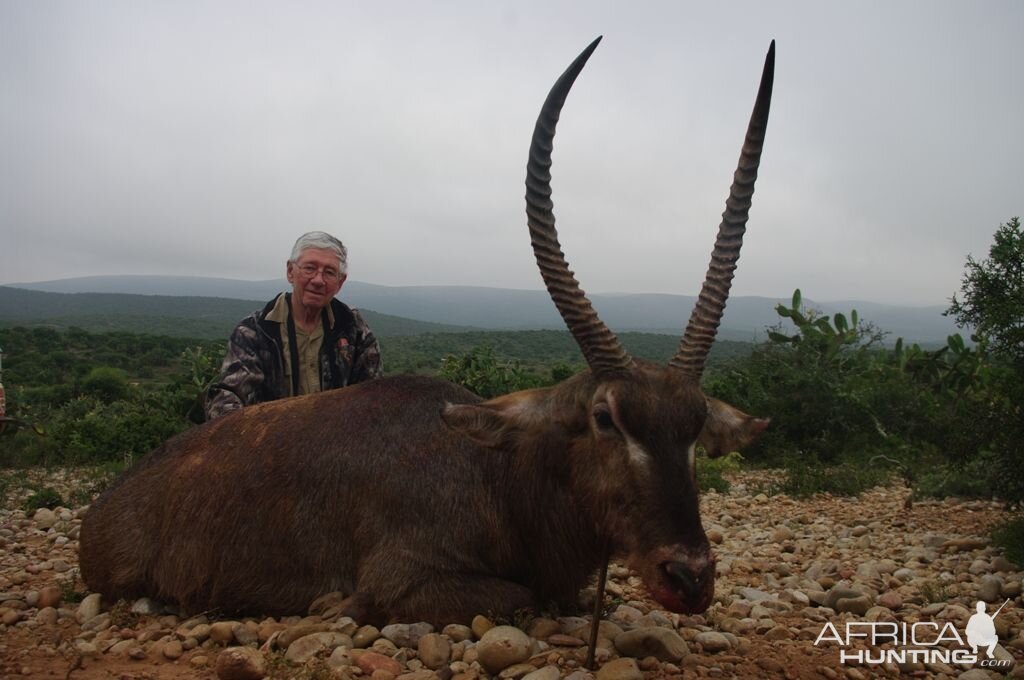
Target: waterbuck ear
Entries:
(492, 422)
(728, 429)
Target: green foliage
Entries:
(839, 399)
(91, 411)
(992, 405)
(482, 373)
(537, 351)
(992, 293)
(106, 384)
(973, 479)
(711, 471)
(806, 476)
(819, 385)
(44, 497)
(90, 431)
(1011, 537)
(73, 590)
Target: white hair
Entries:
(324, 241)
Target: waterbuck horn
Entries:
(599, 346)
(707, 313)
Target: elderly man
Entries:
(300, 342)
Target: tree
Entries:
(106, 384)
(993, 294)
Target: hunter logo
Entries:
(922, 641)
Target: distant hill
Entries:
(190, 317)
(500, 308)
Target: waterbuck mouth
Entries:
(683, 583)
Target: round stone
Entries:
(661, 643)
(241, 663)
(49, 596)
(620, 669)
(501, 647)
(712, 642)
(434, 650)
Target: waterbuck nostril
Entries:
(683, 578)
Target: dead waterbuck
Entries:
(422, 502)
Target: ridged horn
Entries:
(599, 346)
(707, 313)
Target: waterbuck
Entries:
(420, 501)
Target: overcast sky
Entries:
(202, 138)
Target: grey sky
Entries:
(203, 137)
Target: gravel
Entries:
(786, 568)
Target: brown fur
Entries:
(365, 490)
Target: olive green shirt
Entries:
(308, 349)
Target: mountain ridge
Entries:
(483, 307)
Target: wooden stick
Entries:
(598, 607)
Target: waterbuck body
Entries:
(365, 490)
(420, 501)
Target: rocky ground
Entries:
(786, 568)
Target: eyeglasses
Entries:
(329, 274)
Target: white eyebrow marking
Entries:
(637, 454)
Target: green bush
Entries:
(821, 386)
(806, 477)
(482, 373)
(90, 431)
(711, 471)
(106, 384)
(43, 498)
(1011, 537)
(975, 479)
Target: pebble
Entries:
(990, 589)
(516, 671)
(545, 673)
(241, 663)
(47, 616)
(145, 606)
(48, 596)
(662, 643)
(370, 662)
(457, 632)
(853, 605)
(339, 658)
(306, 647)
(406, 634)
(561, 640)
(434, 650)
(776, 570)
(44, 518)
(974, 674)
(223, 632)
(365, 636)
(173, 650)
(501, 647)
(480, 625)
(542, 628)
(89, 608)
(713, 642)
(620, 669)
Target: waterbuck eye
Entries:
(603, 418)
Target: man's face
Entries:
(314, 277)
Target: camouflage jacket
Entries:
(254, 366)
